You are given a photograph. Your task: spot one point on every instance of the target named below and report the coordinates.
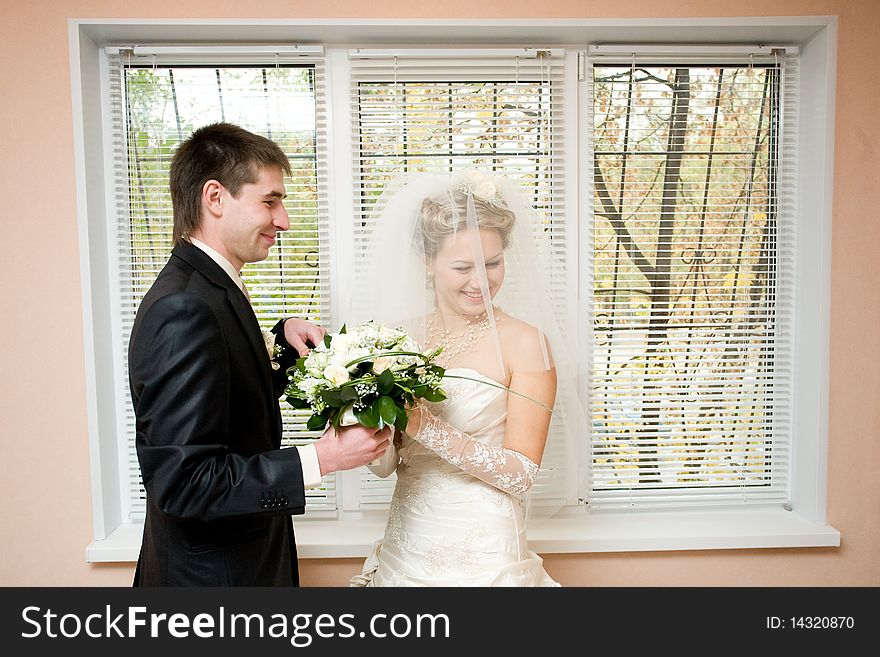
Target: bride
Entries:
(451, 260)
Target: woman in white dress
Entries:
(463, 464)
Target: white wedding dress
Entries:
(446, 527)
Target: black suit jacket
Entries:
(219, 488)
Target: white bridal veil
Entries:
(463, 261)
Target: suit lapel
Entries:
(244, 312)
(241, 307)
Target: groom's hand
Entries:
(350, 447)
(298, 332)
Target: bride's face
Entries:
(457, 278)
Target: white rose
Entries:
(472, 178)
(269, 339)
(382, 363)
(316, 362)
(342, 342)
(336, 374)
(388, 335)
(485, 190)
(308, 385)
(354, 354)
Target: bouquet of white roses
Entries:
(370, 372)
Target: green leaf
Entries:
(433, 395)
(296, 402)
(386, 408)
(342, 330)
(348, 394)
(368, 417)
(385, 383)
(316, 422)
(335, 417)
(327, 340)
(402, 420)
(332, 397)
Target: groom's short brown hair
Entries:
(223, 152)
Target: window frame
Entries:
(351, 533)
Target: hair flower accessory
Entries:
(479, 185)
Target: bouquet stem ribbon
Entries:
(348, 419)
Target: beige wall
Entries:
(45, 504)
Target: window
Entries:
(157, 101)
(684, 189)
(423, 110)
(693, 275)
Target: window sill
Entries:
(577, 532)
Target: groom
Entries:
(220, 491)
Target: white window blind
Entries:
(692, 275)
(156, 100)
(444, 110)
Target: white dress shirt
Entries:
(308, 456)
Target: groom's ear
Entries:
(212, 198)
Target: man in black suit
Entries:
(220, 491)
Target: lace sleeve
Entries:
(503, 468)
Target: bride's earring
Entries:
(429, 279)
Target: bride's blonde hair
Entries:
(440, 219)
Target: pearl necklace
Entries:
(457, 344)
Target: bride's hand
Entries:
(415, 416)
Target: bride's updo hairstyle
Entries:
(438, 220)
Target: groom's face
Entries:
(249, 223)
